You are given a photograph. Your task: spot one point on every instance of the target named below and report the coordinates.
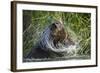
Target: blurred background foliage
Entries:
(34, 22)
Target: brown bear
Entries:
(53, 42)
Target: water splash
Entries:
(46, 42)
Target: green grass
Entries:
(79, 24)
